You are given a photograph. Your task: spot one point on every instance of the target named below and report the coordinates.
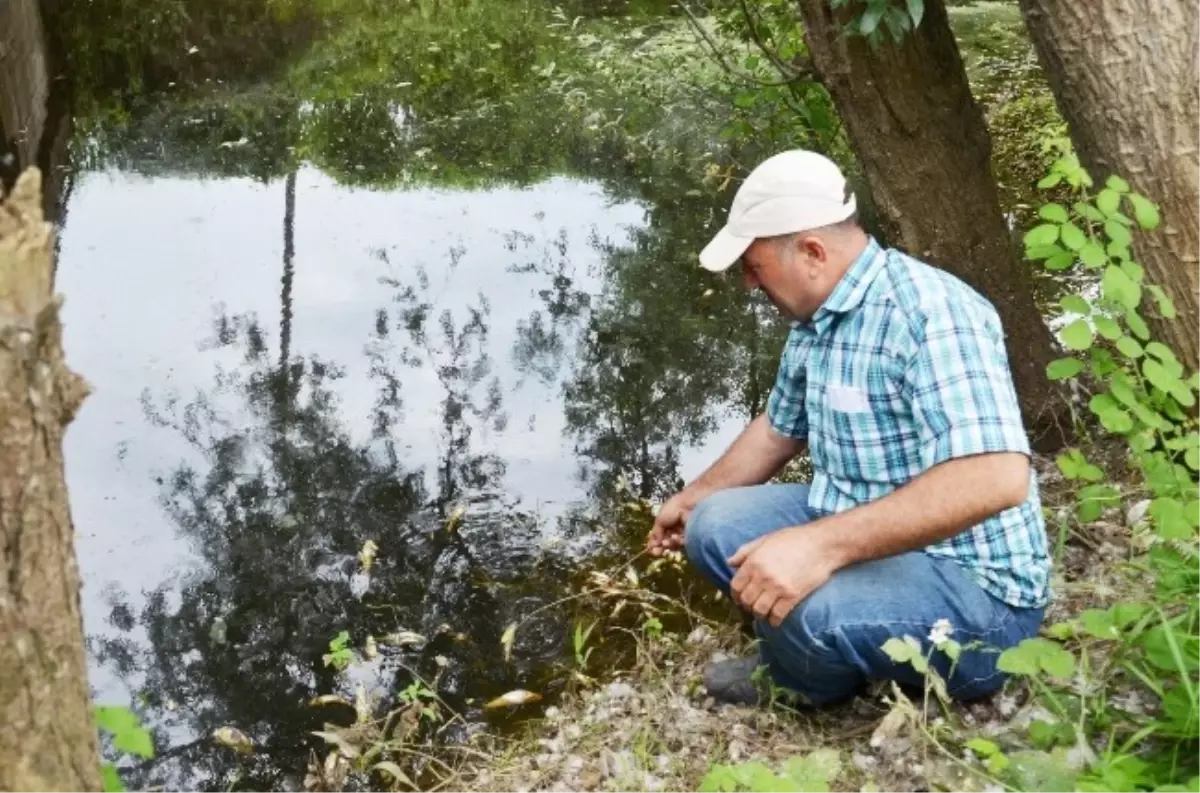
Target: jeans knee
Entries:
(704, 528)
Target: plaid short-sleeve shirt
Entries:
(902, 368)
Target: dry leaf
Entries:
(393, 770)
(366, 557)
(513, 698)
(362, 706)
(335, 737)
(233, 738)
(631, 576)
(455, 518)
(507, 639)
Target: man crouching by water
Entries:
(923, 508)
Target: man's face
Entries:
(788, 272)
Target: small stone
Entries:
(651, 782)
(699, 636)
(662, 764)
(573, 765)
(864, 762)
(552, 713)
(572, 732)
(1007, 706)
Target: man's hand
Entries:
(779, 570)
(669, 526)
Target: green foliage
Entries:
(340, 655)
(127, 736)
(814, 772)
(580, 640)
(1142, 394)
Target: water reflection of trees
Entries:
(276, 499)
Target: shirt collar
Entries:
(853, 286)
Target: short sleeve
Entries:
(961, 389)
(785, 405)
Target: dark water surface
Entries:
(317, 318)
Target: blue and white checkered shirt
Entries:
(902, 368)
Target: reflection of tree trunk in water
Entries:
(47, 735)
(751, 394)
(283, 383)
(289, 251)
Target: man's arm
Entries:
(778, 571)
(937, 505)
(757, 455)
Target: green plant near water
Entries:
(1120, 684)
(580, 641)
(127, 735)
(814, 772)
(340, 655)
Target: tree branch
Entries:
(720, 57)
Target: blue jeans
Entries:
(830, 643)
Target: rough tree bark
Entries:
(1125, 75)
(925, 152)
(47, 734)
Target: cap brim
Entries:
(724, 249)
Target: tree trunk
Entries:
(47, 733)
(1125, 76)
(926, 155)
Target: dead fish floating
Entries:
(513, 698)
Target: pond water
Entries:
(428, 282)
(296, 347)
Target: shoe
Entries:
(733, 681)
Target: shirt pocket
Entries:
(867, 431)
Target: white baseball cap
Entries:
(792, 191)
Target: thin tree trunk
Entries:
(925, 153)
(1125, 75)
(47, 734)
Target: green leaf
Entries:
(1077, 335)
(816, 770)
(982, 747)
(136, 741)
(1129, 347)
(1099, 623)
(111, 779)
(1137, 324)
(1055, 213)
(1073, 236)
(1088, 211)
(720, 779)
(1059, 663)
(1064, 368)
(1192, 458)
(1134, 271)
(1170, 521)
(1045, 234)
(870, 18)
(1115, 182)
(1144, 211)
(898, 650)
(1117, 286)
(1049, 181)
(1107, 201)
(1158, 375)
(1166, 306)
(1039, 252)
(115, 719)
(916, 10)
(1181, 393)
(1060, 261)
(1118, 233)
(1076, 305)
(1107, 327)
(1092, 255)
(1032, 770)
(1160, 351)
(1036, 655)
